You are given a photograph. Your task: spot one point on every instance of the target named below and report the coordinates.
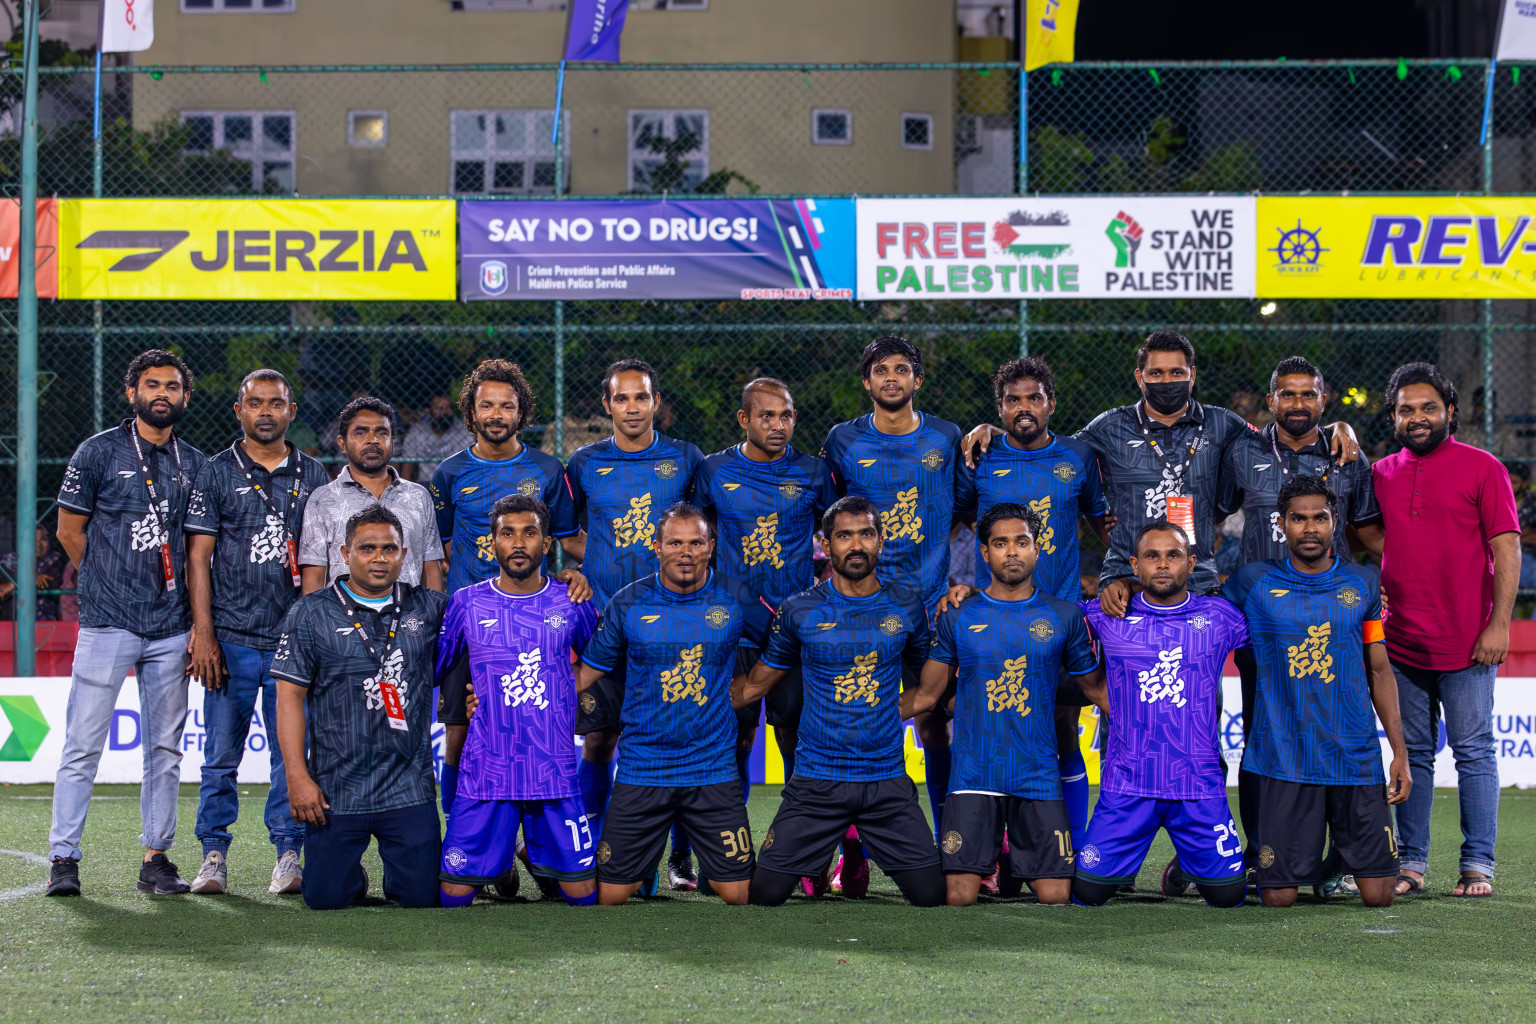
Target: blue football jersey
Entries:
(1313, 720)
(850, 651)
(619, 495)
(679, 651)
(1009, 658)
(911, 477)
(766, 514)
(465, 486)
(1060, 482)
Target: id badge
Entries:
(168, 566)
(1181, 513)
(393, 708)
(293, 563)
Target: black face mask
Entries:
(1168, 397)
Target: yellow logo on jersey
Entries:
(858, 683)
(469, 490)
(1001, 472)
(1041, 630)
(824, 626)
(1007, 692)
(483, 549)
(892, 624)
(1311, 657)
(866, 463)
(635, 527)
(1047, 538)
(1278, 593)
(529, 487)
(682, 681)
(1063, 471)
(717, 615)
(978, 627)
(650, 620)
(666, 469)
(732, 487)
(933, 459)
(605, 471)
(1348, 597)
(790, 491)
(763, 545)
(902, 520)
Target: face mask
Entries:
(1168, 397)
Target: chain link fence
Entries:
(773, 130)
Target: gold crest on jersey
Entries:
(682, 681)
(901, 521)
(635, 526)
(858, 683)
(762, 545)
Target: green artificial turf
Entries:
(117, 955)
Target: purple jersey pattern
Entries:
(1163, 667)
(520, 744)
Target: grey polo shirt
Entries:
(329, 508)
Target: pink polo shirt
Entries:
(1440, 513)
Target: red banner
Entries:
(47, 247)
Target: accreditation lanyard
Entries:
(1285, 470)
(270, 500)
(394, 707)
(1180, 508)
(162, 528)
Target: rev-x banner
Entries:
(668, 249)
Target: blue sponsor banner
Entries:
(665, 249)
(593, 29)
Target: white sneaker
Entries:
(213, 877)
(287, 876)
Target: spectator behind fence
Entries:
(435, 437)
(1450, 565)
(1525, 501)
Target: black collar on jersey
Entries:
(1194, 415)
(396, 604)
(146, 471)
(1322, 446)
(248, 466)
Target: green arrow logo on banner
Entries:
(28, 727)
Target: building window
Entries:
(831, 128)
(507, 151)
(238, 6)
(368, 129)
(668, 149)
(262, 138)
(917, 131)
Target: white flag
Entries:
(1517, 31)
(127, 26)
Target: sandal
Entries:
(1465, 884)
(1415, 887)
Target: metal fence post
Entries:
(1023, 185)
(1488, 416)
(26, 367)
(559, 354)
(97, 398)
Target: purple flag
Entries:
(594, 28)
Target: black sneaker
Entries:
(680, 874)
(63, 877)
(159, 877)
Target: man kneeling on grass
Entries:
(356, 659)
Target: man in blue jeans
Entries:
(121, 508)
(243, 526)
(1450, 567)
(354, 665)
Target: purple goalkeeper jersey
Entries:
(517, 654)
(1163, 666)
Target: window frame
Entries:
(257, 157)
(352, 140)
(816, 114)
(667, 112)
(530, 155)
(905, 115)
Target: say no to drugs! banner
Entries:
(671, 249)
(256, 249)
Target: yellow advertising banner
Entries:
(1390, 247)
(356, 249)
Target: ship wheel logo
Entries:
(1299, 250)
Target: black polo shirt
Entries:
(121, 583)
(362, 765)
(252, 585)
(1257, 466)
(1138, 480)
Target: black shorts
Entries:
(1039, 835)
(1069, 694)
(1296, 817)
(749, 716)
(597, 707)
(640, 818)
(451, 697)
(815, 813)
